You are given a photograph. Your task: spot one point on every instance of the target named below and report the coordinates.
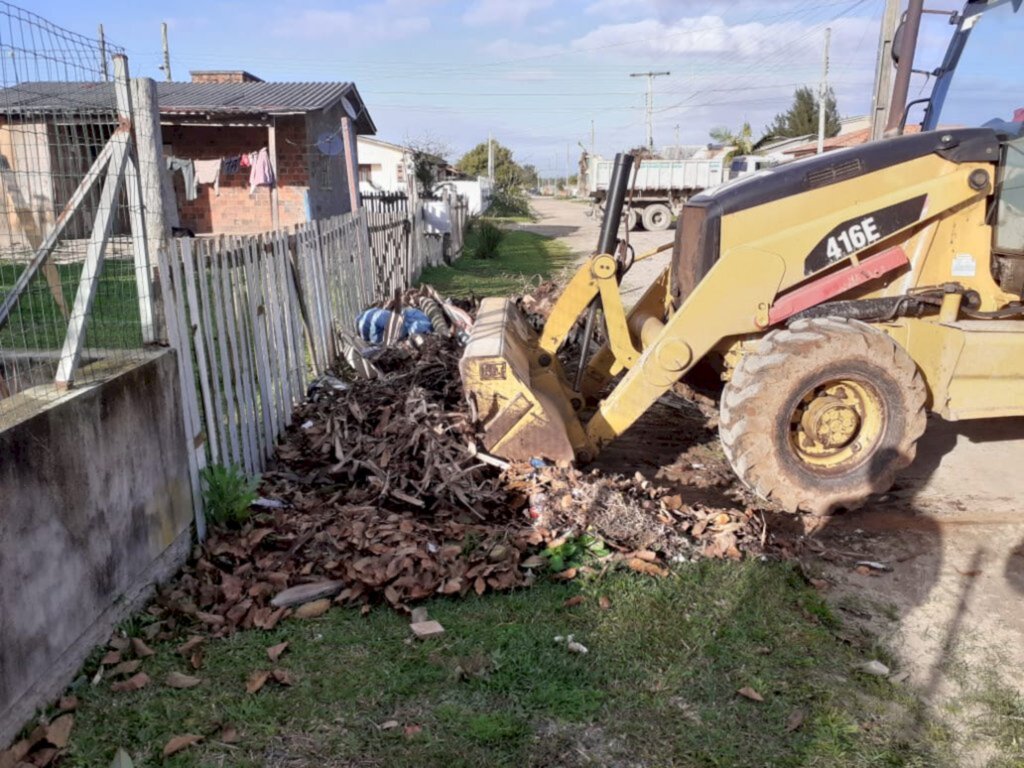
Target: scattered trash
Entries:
(306, 593)
(874, 667)
(873, 565)
(571, 644)
(263, 503)
(425, 629)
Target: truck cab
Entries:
(744, 165)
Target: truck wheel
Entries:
(822, 414)
(657, 217)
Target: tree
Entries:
(802, 116)
(428, 155)
(474, 163)
(742, 140)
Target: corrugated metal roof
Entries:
(183, 98)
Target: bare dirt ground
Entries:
(950, 534)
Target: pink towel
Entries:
(262, 174)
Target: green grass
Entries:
(37, 322)
(523, 258)
(657, 688)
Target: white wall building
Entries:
(383, 167)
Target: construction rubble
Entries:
(381, 492)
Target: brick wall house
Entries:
(310, 130)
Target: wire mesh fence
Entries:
(75, 301)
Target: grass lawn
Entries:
(523, 258)
(37, 323)
(657, 688)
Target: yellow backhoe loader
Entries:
(840, 297)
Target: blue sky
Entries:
(535, 73)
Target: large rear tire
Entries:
(657, 217)
(822, 414)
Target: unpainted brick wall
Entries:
(235, 211)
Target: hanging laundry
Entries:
(245, 160)
(208, 172)
(231, 164)
(188, 174)
(262, 174)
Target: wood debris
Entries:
(382, 495)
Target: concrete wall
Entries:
(96, 507)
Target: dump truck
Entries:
(840, 298)
(658, 187)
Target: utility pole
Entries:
(883, 69)
(677, 135)
(650, 102)
(905, 66)
(490, 158)
(103, 56)
(167, 52)
(822, 96)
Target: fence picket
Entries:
(198, 345)
(254, 318)
(224, 336)
(209, 333)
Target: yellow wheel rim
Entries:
(837, 424)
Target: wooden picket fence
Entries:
(255, 318)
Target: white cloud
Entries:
(365, 24)
(492, 12)
(503, 48)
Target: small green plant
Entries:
(488, 239)
(228, 494)
(574, 553)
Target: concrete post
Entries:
(156, 204)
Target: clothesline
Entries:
(207, 171)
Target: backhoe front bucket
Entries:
(522, 405)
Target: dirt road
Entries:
(951, 531)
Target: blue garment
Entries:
(373, 324)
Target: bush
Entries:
(509, 201)
(488, 238)
(228, 494)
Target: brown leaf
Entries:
(118, 643)
(274, 652)
(12, 757)
(43, 757)
(479, 586)
(229, 735)
(179, 680)
(133, 683)
(283, 677)
(189, 645)
(567, 575)
(125, 668)
(572, 602)
(140, 649)
(822, 585)
(59, 731)
(111, 658)
(604, 602)
(210, 618)
(749, 693)
(647, 555)
(256, 680)
(795, 719)
(67, 704)
(411, 730)
(196, 659)
(178, 743)
(313, 610)
(642, 566)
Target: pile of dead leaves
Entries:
(380, 492)
(46, 743)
